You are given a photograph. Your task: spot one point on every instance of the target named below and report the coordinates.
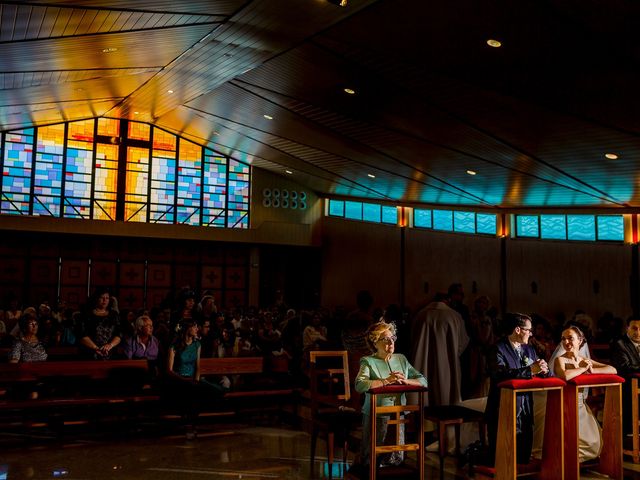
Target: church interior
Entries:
(266, 179)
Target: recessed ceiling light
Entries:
(494, 43)
(109, 50)
(136, 113)
(289, 172)
(169, 91)
(268, 117)
(471, 172)
(350, 91)
(611, 156)
(370, 175)
(339, 3)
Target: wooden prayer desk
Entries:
(611, 455)
(551, 465)
(396, 411)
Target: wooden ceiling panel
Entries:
(532, 119)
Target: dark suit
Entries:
(505, 363)
(626, 359)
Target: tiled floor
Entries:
(218, 452)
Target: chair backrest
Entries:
(329, 376)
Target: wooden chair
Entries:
(330, 395)
(634, 452)
(611, 456)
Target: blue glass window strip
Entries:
(389, 215)
(371, 212)
(610, 228)
(422, 218)
(527, 226)
(464, 222)
(353, 210)
(553, 227)
(443, 220)
(336, 208)
(581, 227)
(487, 223)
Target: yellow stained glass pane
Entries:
(135, 212)
(163, 140)
(189, 151)
(51, 139)
(139, 131)
(107, 156)
(81, 131)
(104, 210)
(109, 127)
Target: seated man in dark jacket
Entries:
(512, 357)
(625, 356)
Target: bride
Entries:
(569, 365)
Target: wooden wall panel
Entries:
(44, 271)
(132, 274)
(75, 272)
(212, 277)
(130, 298)
(74, 296)
(186, 275)
(103, 273)
(159, 275)
(235, 277)
(234, 298)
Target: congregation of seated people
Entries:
(470, 334)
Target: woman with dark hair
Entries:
(27, 347)
(100, 328)
(570, 365)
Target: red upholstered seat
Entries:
(596, 379)
(395, 389)
(528, 383)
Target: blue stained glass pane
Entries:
(336, 208)
(527, 226)
(353, 210)
(464, 222)
(553, 227)
(371, 212)
(486, 223)
(422, 218)
(443, 220)
(581, 227)
(611, 227)
(389, 214)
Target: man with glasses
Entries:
(510, 358)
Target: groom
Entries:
(512, 357)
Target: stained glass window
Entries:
(486, 223)
(371, 212)
(71, 170)
(464, 222)
(527, 226)
(336, 208)
(553, 227)
(610, 227)
(189, 183)
(389, 214)
(79, 170)
(49, 167)
(238, 195)
(443, 220)
(137, 190)
(581, 227)
(214, 190)
(422, 218)
(16, 172)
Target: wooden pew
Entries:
(256, 387)
(86, 383)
